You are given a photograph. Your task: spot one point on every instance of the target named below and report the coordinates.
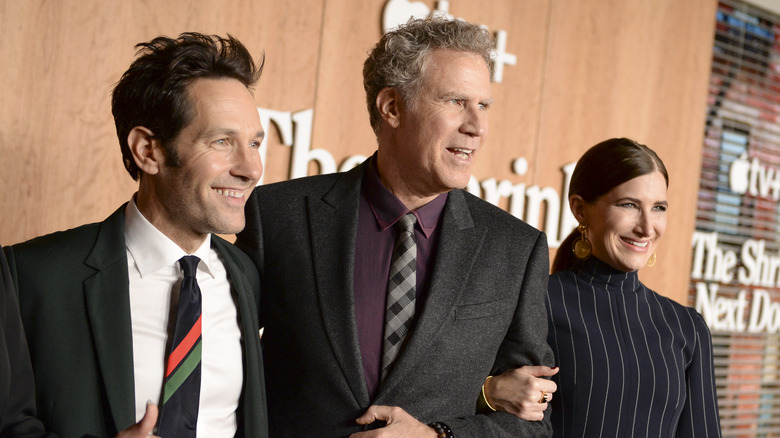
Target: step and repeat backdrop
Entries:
(735, 271)
(568, 74)
(694, 80)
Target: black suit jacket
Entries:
(74, 300)
(484, 313)
(17, 392)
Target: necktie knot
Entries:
(189, 264)
(406, 223)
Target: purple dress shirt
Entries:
(376, 234)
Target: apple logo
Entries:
(738, 175)
(398, 12)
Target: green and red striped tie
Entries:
(181, 393)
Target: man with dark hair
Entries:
(149, 305)
(389, 293)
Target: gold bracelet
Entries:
(485, 397)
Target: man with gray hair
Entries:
(389, 293)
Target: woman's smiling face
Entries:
(625, 225)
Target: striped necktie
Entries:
(181, 393)
(401, 291)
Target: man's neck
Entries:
(392, 179)
(187, 241)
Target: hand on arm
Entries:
(144, 427)
(399, 424)
(519, 391)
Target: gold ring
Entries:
(545, 397)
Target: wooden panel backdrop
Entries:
(586, 70)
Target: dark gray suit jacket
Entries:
(74, 300)
(484, 314)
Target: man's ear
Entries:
(388, 102)
(146, 150)
(577, 205)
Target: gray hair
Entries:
(400, 58)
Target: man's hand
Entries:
(399, 424)
(144, 427)
(518, 391)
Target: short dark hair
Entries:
(399, 59)
(153, 92)
(602, 168)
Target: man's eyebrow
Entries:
(230, 132)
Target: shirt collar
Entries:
(152, 250)
(387, 208)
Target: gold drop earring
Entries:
(581, 246)
(651, 260)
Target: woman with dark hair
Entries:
(632, 362)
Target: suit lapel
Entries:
(252, 406)
(107, 297)
(459, 245)
(333, 222)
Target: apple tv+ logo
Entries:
(754, 178)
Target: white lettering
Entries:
(493, 191)
(705, 302)
(283, 122)
(501, 57)
(754, 178)
(532, 204)
(740, 310)
(302, 153)
(551, 200)
(517, 204)
(759, 268)
(720, 313)
(710, 262)
(764, 314)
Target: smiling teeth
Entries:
(639, 244)
(230, 193)
(463, 153)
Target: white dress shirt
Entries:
(154, 273)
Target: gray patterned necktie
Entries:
(401, 290)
